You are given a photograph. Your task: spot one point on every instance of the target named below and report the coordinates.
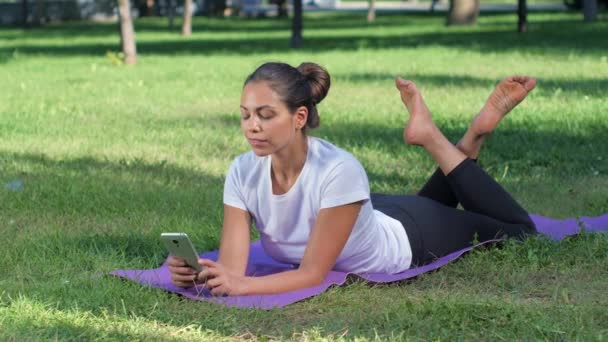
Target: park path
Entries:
(422, 7)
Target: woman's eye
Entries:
(266, 116)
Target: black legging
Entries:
(435, 227)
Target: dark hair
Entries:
(307, 85)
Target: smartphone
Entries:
(180, 246)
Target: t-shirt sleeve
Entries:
(346, 183)
(233, 195)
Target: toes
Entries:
(400, 83)
(405, 85)
(527, 82)
(530, 83)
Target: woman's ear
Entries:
(301, 116)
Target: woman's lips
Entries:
(257, 142)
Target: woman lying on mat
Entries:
(311, 202)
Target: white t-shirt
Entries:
(330, 177)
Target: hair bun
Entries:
(318, 78)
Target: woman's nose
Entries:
(253, 124)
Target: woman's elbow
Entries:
(318, 280)
(315, 277)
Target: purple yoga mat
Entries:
(595, 224)
(262, 264)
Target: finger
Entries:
(210, 272)
(181, 270)
(175, 261)
(219, 291)
(184, 278)
(179, 283)
(213, 283)
(183, 284)
(208, 263)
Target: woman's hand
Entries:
(182, 275)
(221, 281)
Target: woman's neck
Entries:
(288, 163)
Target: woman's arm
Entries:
(234, 249)
(328, 237)
(234, 245)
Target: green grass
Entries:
(111, 156)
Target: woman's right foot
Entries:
(420, 128)
(507, 94)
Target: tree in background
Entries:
(463, 12)
(39, 13)
(296, 27)
(25, 8)
(127, 34)
(371, 11)
(281, 7)
(522, 16)
(145, 7)
(187, 24)
(214, 8)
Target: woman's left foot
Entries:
(507, 94)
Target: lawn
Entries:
(97, 159)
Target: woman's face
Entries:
(266, 121)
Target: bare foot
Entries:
(507, 94)
(420, 126)
(421, 130)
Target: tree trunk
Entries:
(433, 4)
(39, 13)
(522, 11)
(282, 8)
(463, 12)
(296, 28)
(146, 8)
(371, 11)
(25, 8)
(590, 10)
(187, 25)
(171, 13)
(127, 34)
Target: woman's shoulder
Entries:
(329, 152)
(331, 156)
(247, 161)
(336, 168)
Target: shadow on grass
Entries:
(589, 87)
(517, 144)
(545, 37)
(210, 25)
(74, 323)
(125, 189)
(135, 188)
(555, 151)
(235, 24)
